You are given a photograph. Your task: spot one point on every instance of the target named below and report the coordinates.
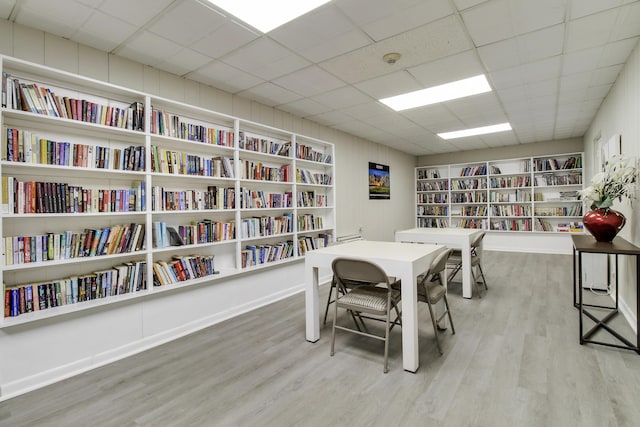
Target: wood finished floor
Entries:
(514, 361)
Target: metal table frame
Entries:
(587, 244)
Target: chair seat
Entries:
(370, 299)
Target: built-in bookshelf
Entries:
(533, 194)
(111, 194)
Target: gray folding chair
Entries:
(373, 299)
(455, 262)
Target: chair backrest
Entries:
(477, 239)
(439, 262)
(347, 270)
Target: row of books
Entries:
(259, 171)
(433, 210)
(267, 225)
(510, 181)
(473, 223)
(27, 96)
(308, 222)
(520, 224)
(432, 222)
(432, 186)
(27, 147)
(310, 243)
(473, 211)
(468, 184)
(429, 174)
(308, 177)
(181, 163)
(311, 199)
(190, 200)
(166, 124)
(510, 210)
(517, 195)
(432, 198)
(573, 162)
(553, 179)
(474, 170)
(121, 279)
(27, 197)
(575, 210)
(257, 199)
(182, 268)
(469, 197)
(266, 253)
(204, 231)
(307, 152)
(570, 227)
(68, 245)
(262, 144)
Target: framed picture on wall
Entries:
(379, 182)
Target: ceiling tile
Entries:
(523, 49)
(224, 39)
(434, 117)
(501, 19)
(590, 31)
(466, 4)
(303, 108)
(309, 81)
(580, 8)
(137, 12)
(429, 42)
(103, 32)
(616, 52)
(223, 76)
(628, 23)
(455, 67)
(48, 16)
(343, 97)
(381, 19)
(389, 85)
(183, 61)
(321, 34)
(148, 48)
(187, 22)
(270, 94)
(265, 58)
(331, 118)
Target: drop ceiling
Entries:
(550, 63)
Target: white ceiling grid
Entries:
(550, 62)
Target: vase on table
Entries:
(604, 224)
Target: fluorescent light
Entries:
(476, 131)
(265, 15)
(445, 92)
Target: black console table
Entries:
(585, 243)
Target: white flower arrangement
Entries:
(615, 182)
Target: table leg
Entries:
(467, 277)
(410, 359)
(312, 302)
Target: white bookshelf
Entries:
(531, 194)
(178, 189)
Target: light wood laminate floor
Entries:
(514, 361)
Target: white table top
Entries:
(372, 250)
(447, 231)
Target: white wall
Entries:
(32, 355)
(620, 114)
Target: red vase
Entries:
(604, 224)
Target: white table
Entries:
(455, 238)
(402, 260)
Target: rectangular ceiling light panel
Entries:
(476, 131)
(265, 15)
(445, 92)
